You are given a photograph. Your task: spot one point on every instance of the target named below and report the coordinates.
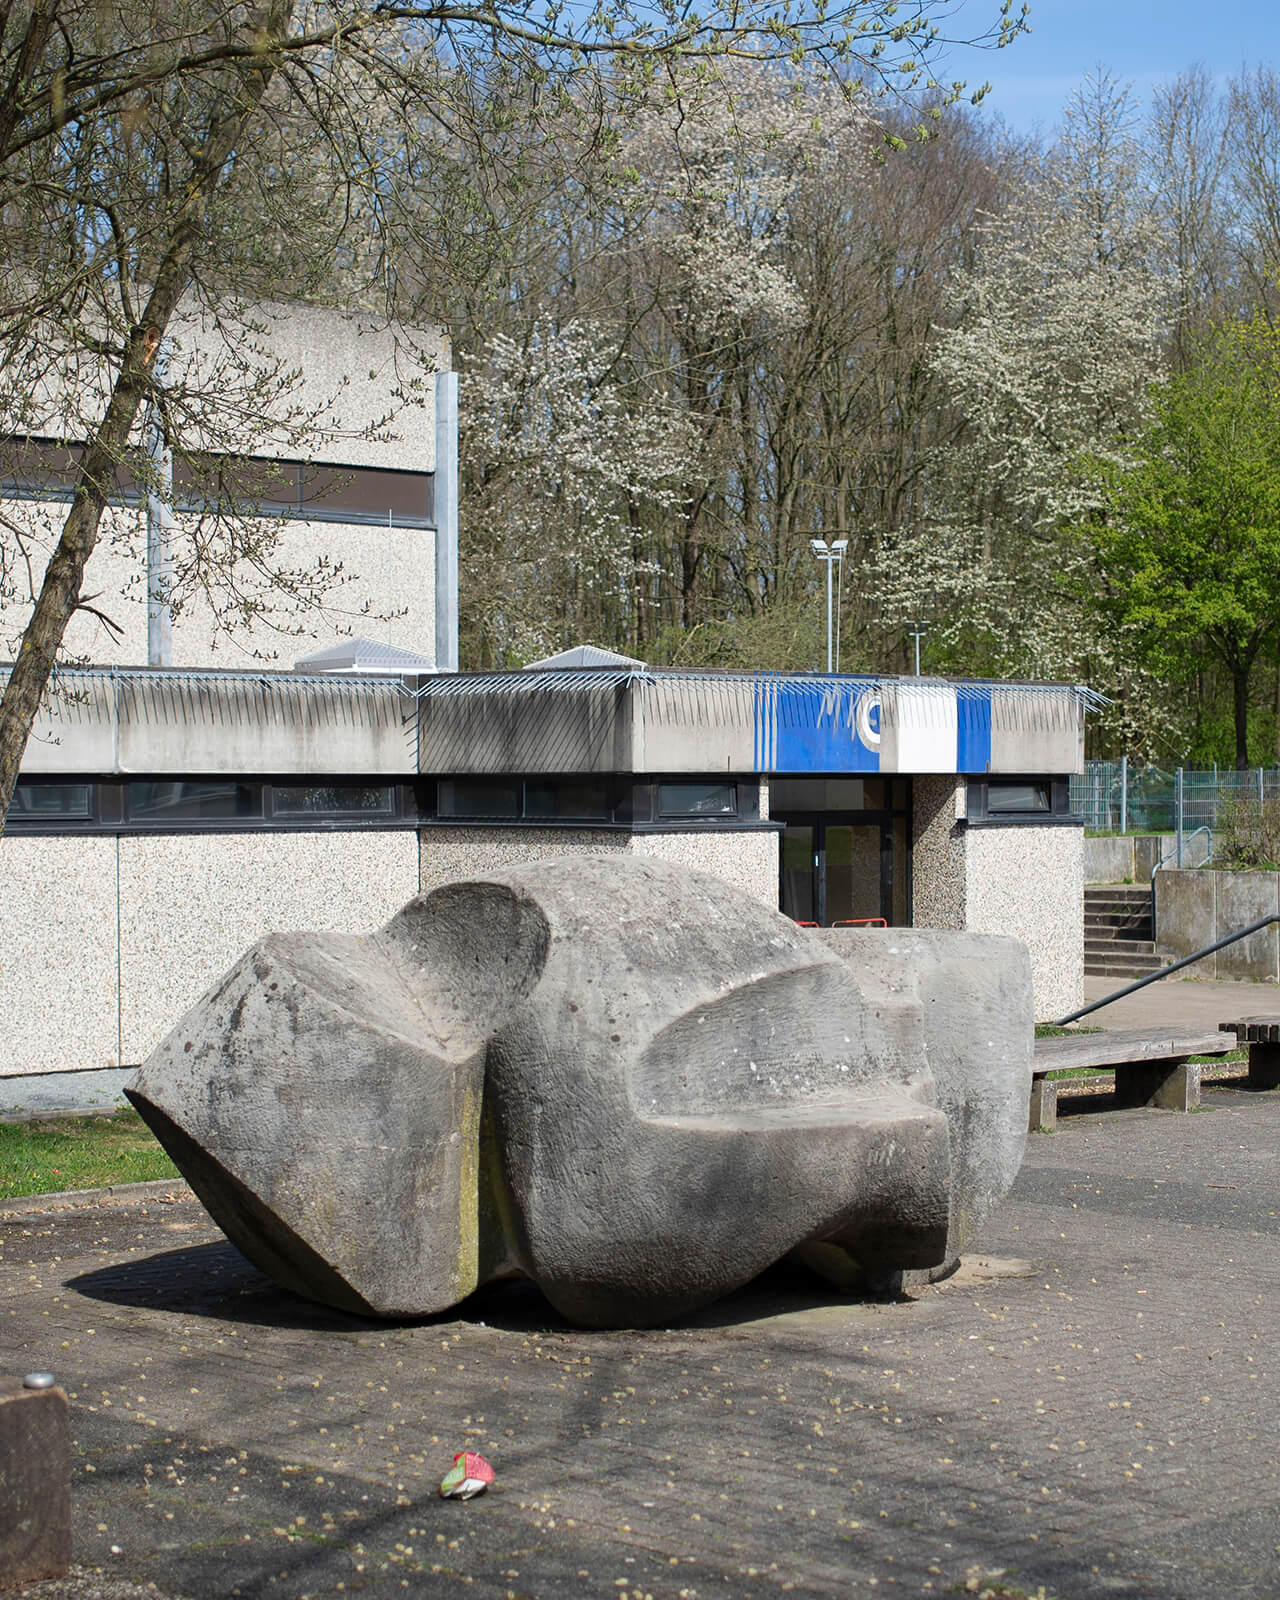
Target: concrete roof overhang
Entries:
(663, 720)
(558, 720)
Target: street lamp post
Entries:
(830, 553)
(916, 631)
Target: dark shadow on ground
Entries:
(217, 1282)
(209, 1280)
(1230, 1089)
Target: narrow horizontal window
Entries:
(1019, 797)
(347, 800)
(478, 801)
(574, 802)
(697, 799)
(50, 800)
(373, 491)
(834, 794)
(246, 485)
(184, 801)
(1019, 800)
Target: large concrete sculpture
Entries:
(635, 1085)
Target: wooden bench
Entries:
(1262, 1035)
(1151, 1068)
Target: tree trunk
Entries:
(1240, 690)
(64, 577)
(63, 581)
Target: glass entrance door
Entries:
(851, 872)
(797, 889)
(834, 870)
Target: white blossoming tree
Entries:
(1057, 336)
(561, 470)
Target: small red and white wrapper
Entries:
(470, 1474)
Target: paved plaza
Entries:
(1178, 1002)
(1091, 1405)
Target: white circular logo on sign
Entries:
(866, 719)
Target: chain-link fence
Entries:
(1117, 797)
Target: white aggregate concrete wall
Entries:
(749, 861)
(73, 995)
(366, 387)
(58, 988)
(938, 853)
(1026, 881)
(191, 905)
(450, 854)
(1029, 882)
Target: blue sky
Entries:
(1137, 40)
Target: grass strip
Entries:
(47, 1156)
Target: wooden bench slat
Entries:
(1254, 1030)
(1111, 1049)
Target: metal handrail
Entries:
(1176, 966)
(1176, 850)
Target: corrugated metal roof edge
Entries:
(526, 682)
(522, 681)
(379, 683)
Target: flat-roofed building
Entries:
(165, 819)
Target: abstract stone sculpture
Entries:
(636, 1085)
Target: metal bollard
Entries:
(35, 1480)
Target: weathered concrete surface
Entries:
(324, 1101)
(695, 1087)
(635, 1085)
(973, 995)
(1108, 1424)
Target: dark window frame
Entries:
(110, 809)
(38, 468)
(980, 814)
(648, 816)
(633, 803)
(81, 815)
(674, 813)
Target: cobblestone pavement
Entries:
(1092, 1405)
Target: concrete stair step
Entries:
(1102, 922)
(1117, 932)
(1123, 967)
(1115, 949)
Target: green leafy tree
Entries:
(1189, 543)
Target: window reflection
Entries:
(294, 800)
(567, 801)
(697, 799)
(50, 800)
(1018, 797)
(462, 798)
(187, 801)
